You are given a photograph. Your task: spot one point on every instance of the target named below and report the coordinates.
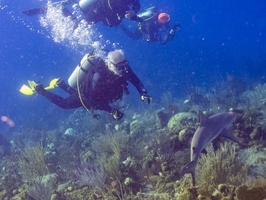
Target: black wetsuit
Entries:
(111, 12)
(151, 28)
(104, 87)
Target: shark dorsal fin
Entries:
(203, 118)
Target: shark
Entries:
(209, 129)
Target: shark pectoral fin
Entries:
(204, 151)
(228, 134)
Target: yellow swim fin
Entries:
(31, 90)
(32, 84)
(52, 84)
(26, 90)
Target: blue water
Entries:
(216, 38)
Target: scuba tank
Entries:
(148, 13)
(85, 5)
(82, 69)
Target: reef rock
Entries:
(243, 192)
(70, 131)
(185, 135)
(182, 121)
(163, 119)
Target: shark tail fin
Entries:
(189, 168)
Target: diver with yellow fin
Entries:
(94, 84)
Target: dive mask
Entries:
(121, 65)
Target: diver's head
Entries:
(163, 18)
(116, 56)
(116, 61)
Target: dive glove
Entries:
(116, 114)
(172, 32)
(146, 97)
(175, 28)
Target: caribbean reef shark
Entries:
(209, 129)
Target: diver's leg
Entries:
(54, 98)
(61, 83)
(66, 103)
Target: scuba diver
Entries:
(110, 12)
(94, 84)
(154, 25)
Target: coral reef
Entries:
(140, 157)
(42, 187)
(32, 163)
(182, 120)
(220, 167)
(167, 99)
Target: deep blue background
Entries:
(216, 37)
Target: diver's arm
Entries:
(167, 26)
(175, 28)
(132, 14)
(132, 77)
(171, 34)
(116, 114)
(138, 84)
